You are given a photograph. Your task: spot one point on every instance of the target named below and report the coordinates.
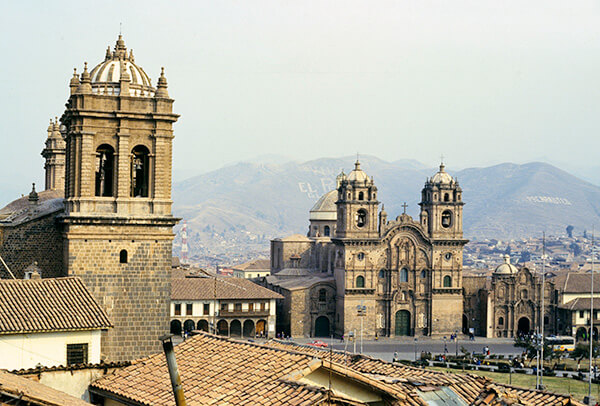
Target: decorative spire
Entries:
(74, 83)
(50, 127)
(33, 196)
(131, 58)
(85, 83)
(161, 88)
(108, 54)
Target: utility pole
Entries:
(591, 335)
(361, 311)
(543, 312)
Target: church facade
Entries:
(394, 277)
(105, 215)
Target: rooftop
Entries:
(48, 305)
(26, 391)
(222, 287)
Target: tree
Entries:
(570, 231)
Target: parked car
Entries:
(318, 343)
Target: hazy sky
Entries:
(481, 82)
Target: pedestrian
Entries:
(395, 356)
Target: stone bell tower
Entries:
(357, 205)
(441, 216)
(118, 222)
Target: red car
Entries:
(318, 343)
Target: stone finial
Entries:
(131, 58)
(161, 88)
(50, 128)
(74, 83)
(33, 196)
(108, 54)
(85, 86)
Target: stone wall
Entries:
(135, 294)
(37, 240)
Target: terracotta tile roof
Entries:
(580, 304)
(226, 288)
(52, 304)
(220, 371)
(469, 387)
(257, 264)
(33, 393)
(576, 282)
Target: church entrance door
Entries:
(402, 323)
(523, 326)
(322, 327)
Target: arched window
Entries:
(382, 274)
(326, 231)
(361, 218)
(446, 219)
(404, 275)
(139, 171)
(123, 256)
(500, 321)
(322, 295)
(423, 274)
(360, 281)
(105, 165)
(361, 196)
(447, 281)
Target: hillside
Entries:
(238, 208)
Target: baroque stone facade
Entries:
(111, 154)
(394, 277)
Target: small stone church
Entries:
(400, 277)
(105, 214)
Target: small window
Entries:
(206, 309)
(382, 274)
(361, 256)
(447, 281)
(360, 282)
(323, 295)
(250, 307)
(423, 274)
(446, 197)
(123, 256)
(263, 306)
(326, 231)
(404, 275)
(500, 321)
(581, 314)
(361, 218)
(361, 196)
(237, 307)
(77, 354)
(524, 294)
(188, 309)
(177, 309)
(224, 307)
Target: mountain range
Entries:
(252, 202)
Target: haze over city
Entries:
(480, 83)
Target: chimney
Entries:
(173, 371)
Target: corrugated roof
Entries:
(44, 305)
(226, 288)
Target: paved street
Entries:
(385, 348)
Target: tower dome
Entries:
(119, 66)
(357, 174)
(506, 268)
(442, 176)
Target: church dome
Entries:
(506, 268)
(325, 208)
(442, 176)
(119, 65)
(357, 174)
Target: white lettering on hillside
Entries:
(548, 199)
